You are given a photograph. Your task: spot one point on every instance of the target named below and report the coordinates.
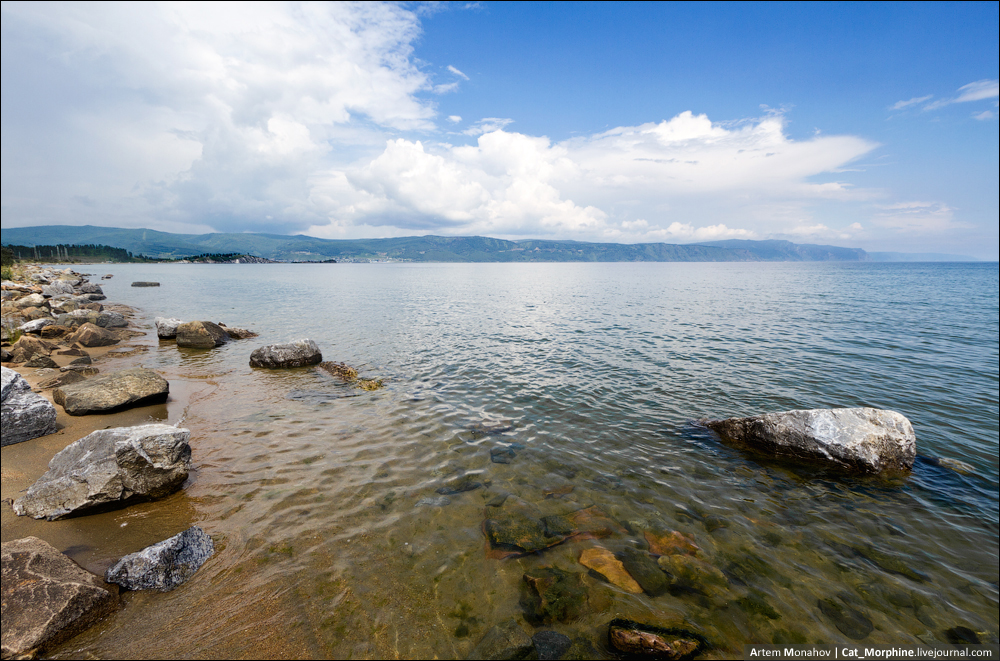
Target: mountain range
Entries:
(301, 248)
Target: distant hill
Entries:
(786, 251)
(300, 248)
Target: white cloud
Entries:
(457, 72)
(454, 119)
(488, 125)
(984, 115)
(899, 105)
(630, 183)
(976, 91)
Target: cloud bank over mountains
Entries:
(319, 119)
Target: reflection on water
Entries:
(352, 526)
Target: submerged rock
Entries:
(280, 356)
(238, 333)
(552, 595)
(651, 642)
(604, 562)
(102, 394)
(24, 415)
(690, 571)
(515, 533)
(551, 644)
(145, 283)
(164, 565)
(890, 563)
(645, 571)
(962, 636)
(502, 455)
(671, 543)
(109, 467)
(860, 439)
(201, 335)
(851, 622)
(506, 640)
(47, 598)
(166, 327)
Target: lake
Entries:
(334, 538)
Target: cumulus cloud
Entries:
(318, 119)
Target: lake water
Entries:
(333, 540)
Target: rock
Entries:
(57, 288)
(607, 565)
(107, 468)
(74, 350)
(501, 455)
(41, 360)
(593, 523)
(32, 314)
(165, 565)
(506, 640)
(85, 359)
(27, 346)
(552, 595)
(651, 642)
(90, 335)
(145, 283)
(953, 464)
(690, 571)
(37, 325)
(63, 379)
(461, 484)
(851, 622)
(24, 414)
(102, 394)
(756, 604)
(91, 288)
(861, 439)
(166, 328)
(645, 571)
(672, 543)
(107, 276)
(83, 370)
(30, 301)
(55, 331)
(239, 333)
(77, 318)
(551, 644)
(111, 319)
(962, 636)
(433, 501)
(201, 335)
(294, 354)
(890, 563)
(515, 533)
(5, 356)
(47, 598)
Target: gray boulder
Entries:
(111, 319)
(294, 354)
(37, 325)
(145, 283)
(57, 288)
(110, 467)
(24, 415)
(47, 598)
(862, 439)
(111, 392)
(201, 335)
(30, 301)
(165, 565)
(91, 288)
(166, 327)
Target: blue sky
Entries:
(863, 125)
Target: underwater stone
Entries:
(501, 455)
(672, 543)
(604, 562)
(516, 533)
(851, 622)
(890, 563)
(651, 642)
(506, 640)
(551, 594)
(645, 571)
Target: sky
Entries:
(863, 125)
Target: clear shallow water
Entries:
(312, 489)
